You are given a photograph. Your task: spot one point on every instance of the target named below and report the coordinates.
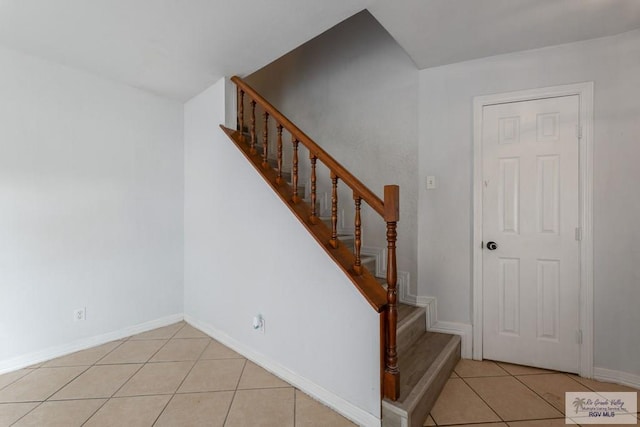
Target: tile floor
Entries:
(171, 376)
(490, 394)
(178, 376)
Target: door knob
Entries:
(492, 246)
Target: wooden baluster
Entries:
(314, 213)
(334, 210)
(391, 380)
(253, 126)
(357, 266)
(265, 140)
(279, 177)
(294, 178)
(241, 113)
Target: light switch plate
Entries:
(431, 182)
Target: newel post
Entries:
(391, 380)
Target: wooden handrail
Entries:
(387, 209)
(345, 176)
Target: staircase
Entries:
(415, 363)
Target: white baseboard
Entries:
(618, 377)
(465, 330)
(83, 344)
(462, 329)
(347, 409)
(405, 292)
(381, 260)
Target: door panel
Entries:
(531, 280)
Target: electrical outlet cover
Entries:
(79, 314)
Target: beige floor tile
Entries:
(523, 370)
(140, 411)
(40, 384)
(311, 413)
(511, 399)
(559, 422)
(500, 424)
(453, 375)
(267, 407)
(10, 377)
(156, 378)
(215, 350)
(67, 413)
(458, 404)
(189, 331)
(84, 358)
(197, 409)
(254, 376)
(429, 422)
(621, 419)
(178, 350)
(552, 387)
(35, 365)
(213, 375)
(165, 333)
(138, 351)
(628, 422)
(97, 381)
(602, 386)
(474, 368)
(11, 412)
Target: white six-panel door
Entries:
(530, 199)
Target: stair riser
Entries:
(301, 191)
(371, 266)
(409, 332)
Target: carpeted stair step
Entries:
(425, 367)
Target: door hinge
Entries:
(579, 131)
(578, 234)
(482, 245)
(579, 336)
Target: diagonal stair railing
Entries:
(384, 302)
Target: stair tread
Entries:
(415, 362)
(425, 367)
(405, 310)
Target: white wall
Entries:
(354, 90)
(445, 220)
(91, 189)
(245, 253)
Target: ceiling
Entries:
(440, 32)
(177, 48)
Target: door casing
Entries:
(585, 166)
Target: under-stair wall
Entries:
(246, 254)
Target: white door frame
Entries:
(585, 94)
